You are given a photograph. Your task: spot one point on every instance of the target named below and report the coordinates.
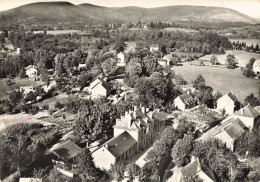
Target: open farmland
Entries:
(221, 79)
(243, 57)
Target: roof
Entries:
(2, 55)
(103, 83)
(161, 116)
(219, 128)
(257, 108)
(67, 150)
(185, 98)
(247, 111)
(30, 67)
(120, 144)
(256, 63)
(154, 45)
(234, 130)
(232, 96)
(30, 180)
(194, 167)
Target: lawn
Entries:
(243, 57)
(16, 84)
(51, 101)
(221, 79)
(180, 29)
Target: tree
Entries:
(120, 43)
(252, 100)
(204, 96)
(231, 61)
(216, 97)
(181, 151)
(109, 67)
(213, 60)
(248, 70)
(117, 171)
(22, 73)
(86, 167)
(199, 81)
(84, 80)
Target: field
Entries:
(57, 32)
(180, 29)
(16, 84)
(243, 57)
(221, 79)
(51, 101)
(248, 42)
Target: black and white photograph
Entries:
(129, 91)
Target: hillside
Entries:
(66, 12)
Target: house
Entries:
(18, 50)
(99, 87)
(132, 132)
(27, 89)
(31, 71)
(154, 47)
(228, 131)
(163, 62)
(228, 102)
(256, 66)
(168, 59)
(30, 180)
(81, 66)
(248, 115)
(67, 151)
(121, 57)
(184, 101)
(197, 168)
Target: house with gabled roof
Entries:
(228, 131)
(248, 115)
(228, 102)
(30, 179)
(67, 151)
(99, 87)
(132, 132)
(154, 47)
(31, 71)
(184, 101)
(197, 168)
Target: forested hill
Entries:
(66, 12)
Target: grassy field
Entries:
(221, 79)
(51, 101)
(243, 57)
(16, 84)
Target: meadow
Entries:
(221, 79)
(243, 57)
(180, 29)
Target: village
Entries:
(128, 102)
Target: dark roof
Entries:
(234, 130)
(194, 167)
(232, 96)
(161, 116)
(248, 111)
(67, 150)
(120, 144)
(186, 98)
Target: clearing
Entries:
(243, 57)
(221, 79)
(180, 29)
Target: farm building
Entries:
(256, 66)
(228, 102)
(99, 87)
(26, 90)
(121, 57)
(184, 101)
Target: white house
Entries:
(256, 66)
(31, 71)
(154, 47)
(248, 115)
(184, 101)
(228, 102)
(30, 179)
(132, 132)
(81, 66)
(168, 58)
(197, 168)
(18, 50)
(99, 88)
(163, 62)
(121, 57)
(27, 89)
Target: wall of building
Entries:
(248, 122)
(226, 103)
(103, 158)
(179, 104)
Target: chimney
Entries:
(106, 145)
(135, 108)
(129, 122)
(242, 111)
(143, 110)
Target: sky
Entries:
(248, 7)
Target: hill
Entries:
(66, 12)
